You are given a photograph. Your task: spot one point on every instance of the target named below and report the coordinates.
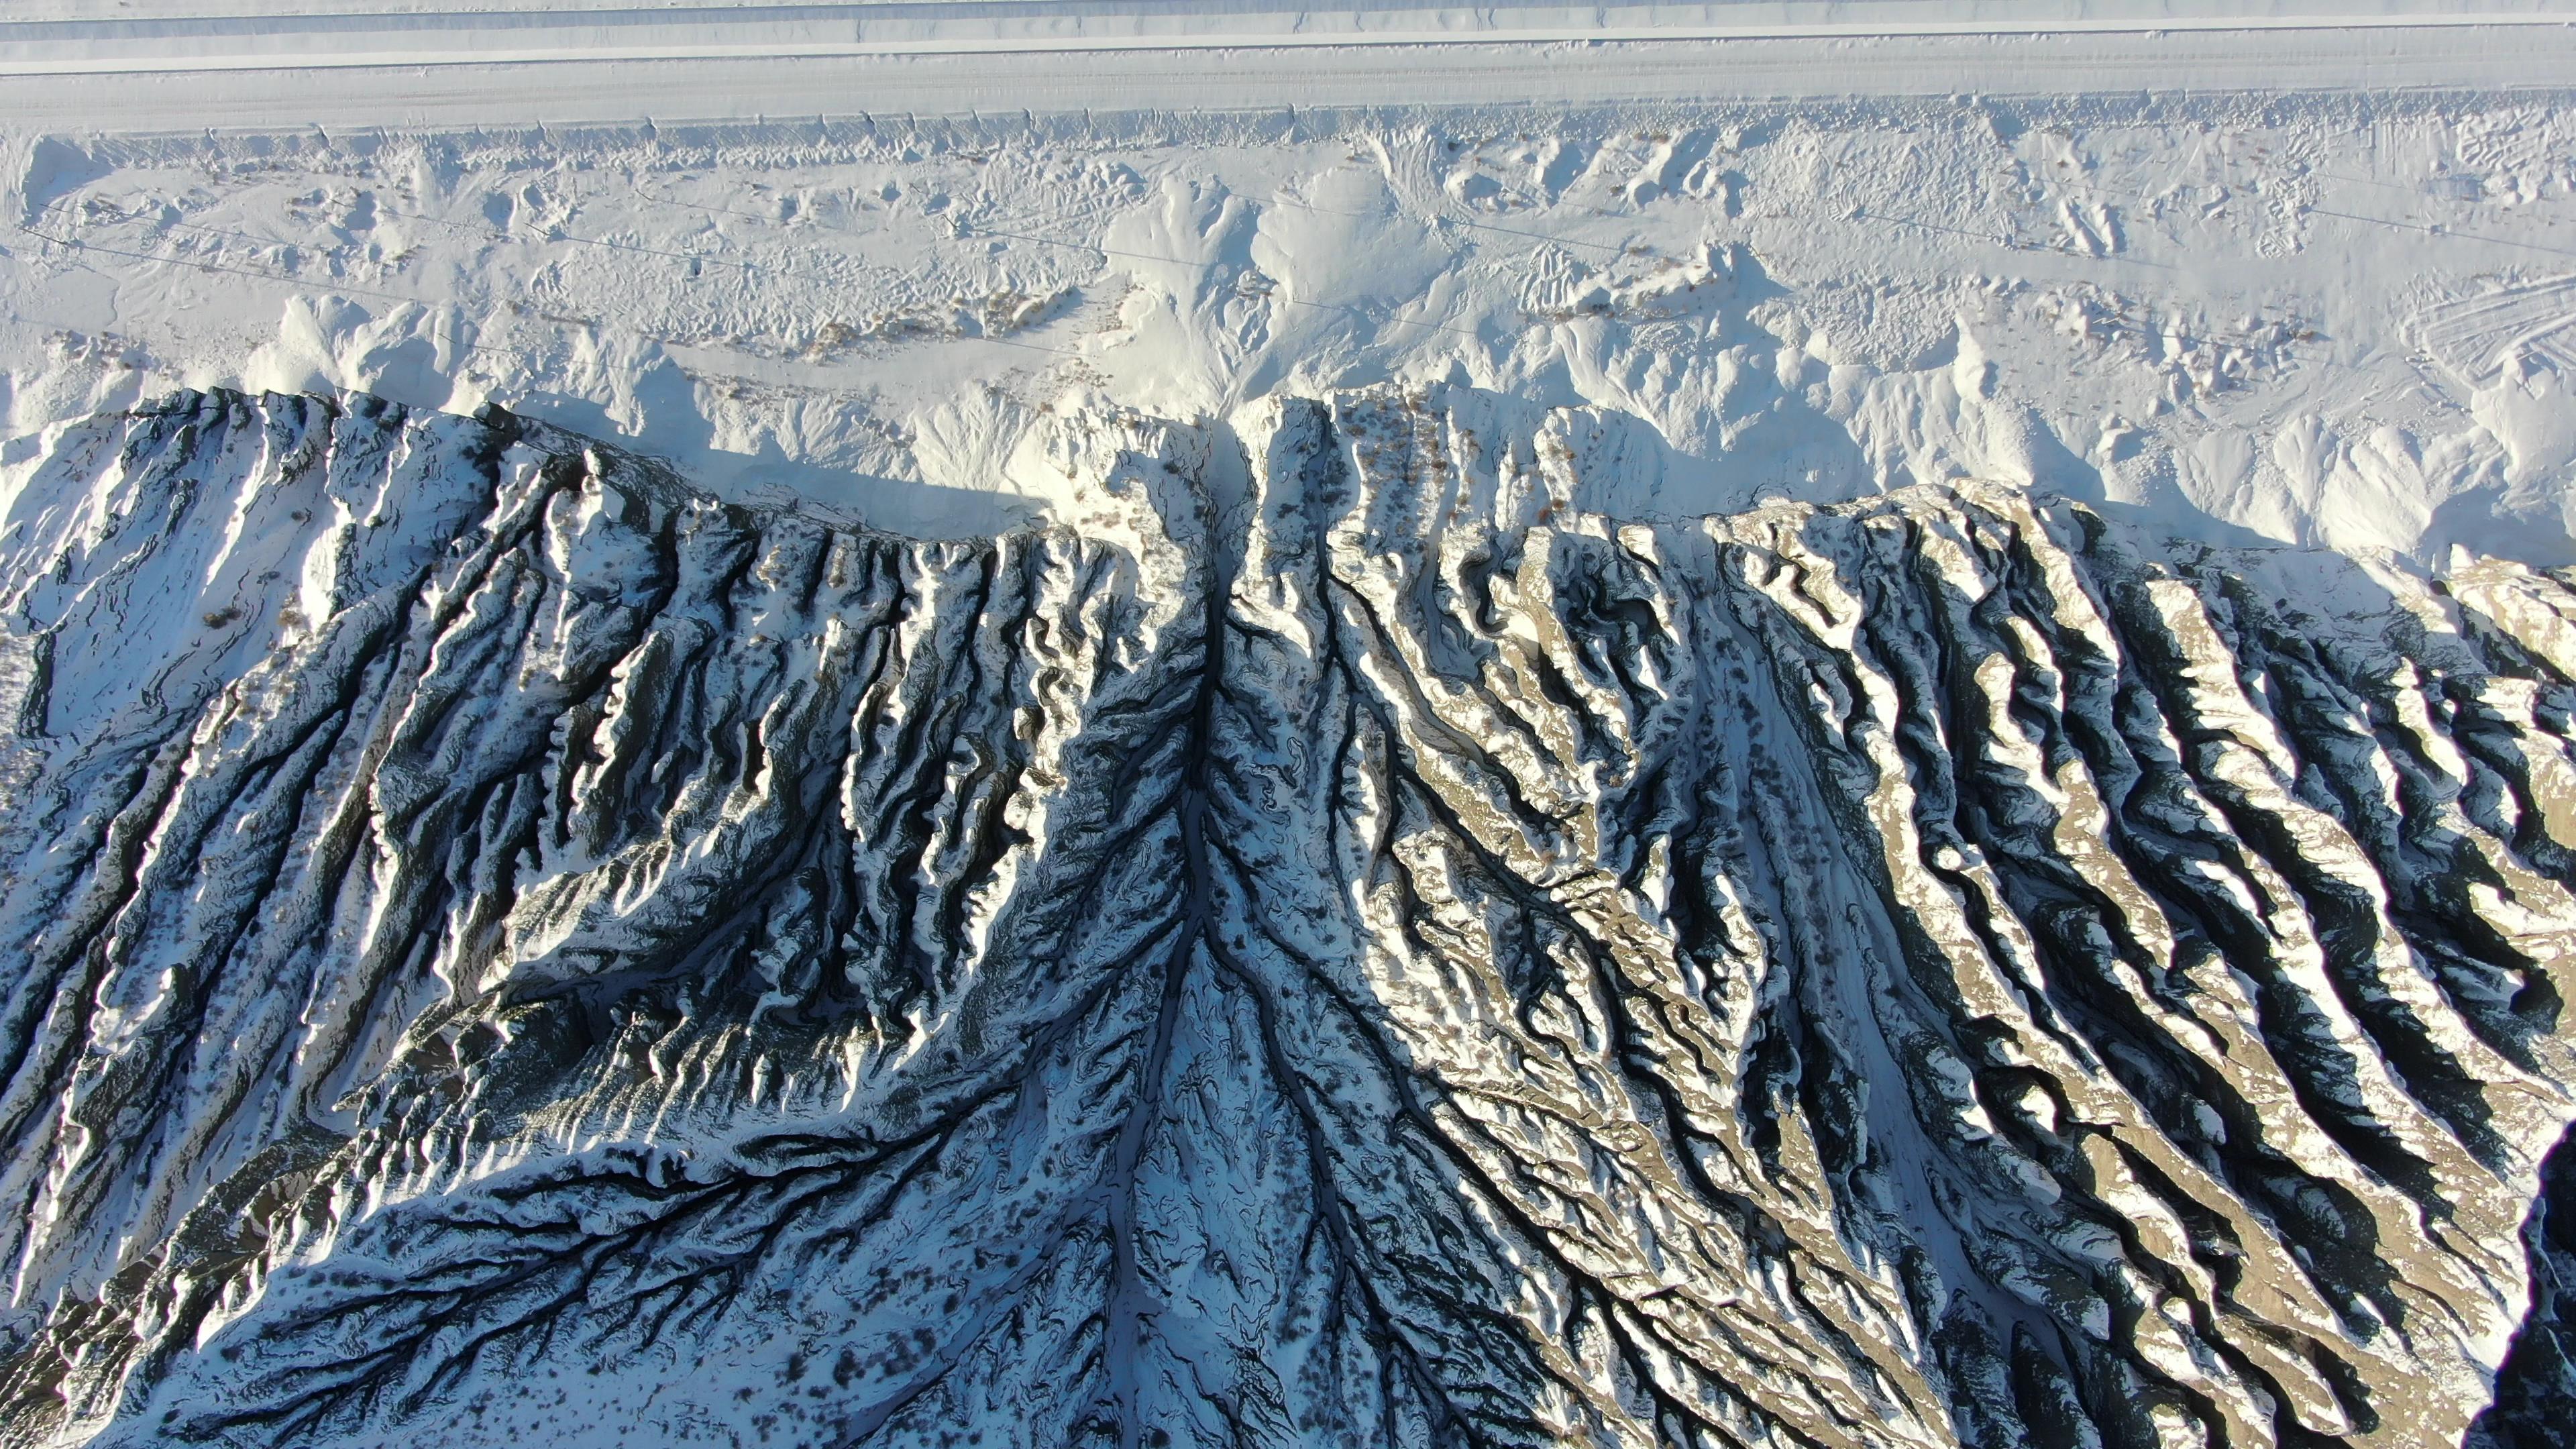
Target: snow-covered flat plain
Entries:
(190, 37)
(186, 66)
(2215, 275)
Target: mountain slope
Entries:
(517, 951)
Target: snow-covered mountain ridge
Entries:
(1345, 935)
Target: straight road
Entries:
(172, 64)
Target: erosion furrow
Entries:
(504, 946)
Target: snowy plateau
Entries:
(1083, 723)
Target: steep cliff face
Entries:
(505, 950)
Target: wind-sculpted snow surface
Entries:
(502, 950)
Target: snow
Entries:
(1512, 465)
(51, 38)
(2336, 319)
